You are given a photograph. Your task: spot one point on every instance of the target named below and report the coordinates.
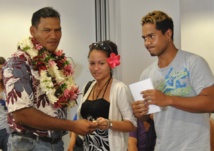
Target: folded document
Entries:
(137, 87)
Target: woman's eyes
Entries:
(101, 63)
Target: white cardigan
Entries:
(120, 109)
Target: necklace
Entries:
(105, 85)
(55, 73)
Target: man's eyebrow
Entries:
(148, 35)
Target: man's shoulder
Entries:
(148, 69)
(18, 56)
(188, 55)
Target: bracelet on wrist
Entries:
(110, 124)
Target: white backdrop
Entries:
(197, 28)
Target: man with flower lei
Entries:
(39, 87)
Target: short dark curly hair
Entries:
(2, 60)
(44, 13)
(162, 21)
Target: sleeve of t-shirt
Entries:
(200, 74)
(133, 134)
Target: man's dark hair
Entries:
(43, 13)
(2, 60)
(162, 21)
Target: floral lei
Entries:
(55, 72)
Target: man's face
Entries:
(154, 40)
(48, 32)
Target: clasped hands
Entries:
(87, 127)
(84, 127)
(102, 123)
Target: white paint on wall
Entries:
(197, 28)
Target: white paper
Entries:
(137, 87)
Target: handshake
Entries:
(103, 123)
(83, 126)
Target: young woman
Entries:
(106, 101)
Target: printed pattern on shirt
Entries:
(176, 83)
(22, 91)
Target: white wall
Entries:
(197, 28)
(78, 30)
(126, 31)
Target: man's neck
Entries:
(165, 59)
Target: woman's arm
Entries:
(132, 144)
(72, 141)
(122, 126)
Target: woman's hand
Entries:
(103, 123)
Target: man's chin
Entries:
(152, 54)
(51, 48)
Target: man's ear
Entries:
(169, 33)
(32, 31)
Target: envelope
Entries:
(137, 87)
